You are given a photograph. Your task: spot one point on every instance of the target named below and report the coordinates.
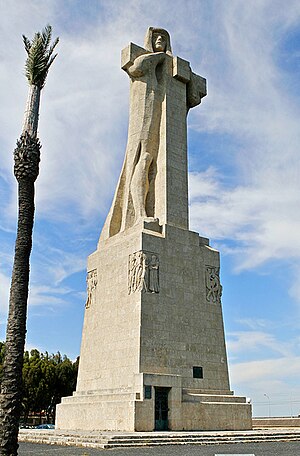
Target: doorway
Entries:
(161, 408)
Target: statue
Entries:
(143, 272)
(153, 274)
(213, 284)
(91, 282)
(149, 69)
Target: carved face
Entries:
(154, 260)
(159, 42)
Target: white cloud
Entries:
(264, 221)
(253, 342)
(84, 111)
(272, 385)
(45, 295)
(279, 369)
(294, 290)
(53, 265)
(254, 323)
(248, 99)
(265, 367)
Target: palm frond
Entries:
(27, 43)
(51, 48)
(51, 60)
(46, 36)
(40, 56)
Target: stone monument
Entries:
(153, 353)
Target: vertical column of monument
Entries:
(172, 162)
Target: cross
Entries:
(154, 179)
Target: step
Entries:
(110, 440)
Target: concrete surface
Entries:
(258, 449)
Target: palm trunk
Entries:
(26, 169)
(31, 115)
(27, 157)
(11, 388)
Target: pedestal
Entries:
(153, 352)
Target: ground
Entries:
(257, 449)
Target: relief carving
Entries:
(213, 285)
(143, 272)
(91, 281)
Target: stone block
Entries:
(181, 69)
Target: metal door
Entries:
(161, 408)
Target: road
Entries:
(257, 449)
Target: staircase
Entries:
(106, 440)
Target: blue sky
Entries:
(243, 162)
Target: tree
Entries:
(26, 169)
(46, 379)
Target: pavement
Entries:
(237, 449)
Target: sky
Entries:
(244, 174)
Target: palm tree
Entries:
(26, 169)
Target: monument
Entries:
(153, 353)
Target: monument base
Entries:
(120, 410)
(153, 353)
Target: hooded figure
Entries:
(153, 33)
(135, 194)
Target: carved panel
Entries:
(143, 272)
(213, 285)
(91, 281)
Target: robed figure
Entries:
(148, 69)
